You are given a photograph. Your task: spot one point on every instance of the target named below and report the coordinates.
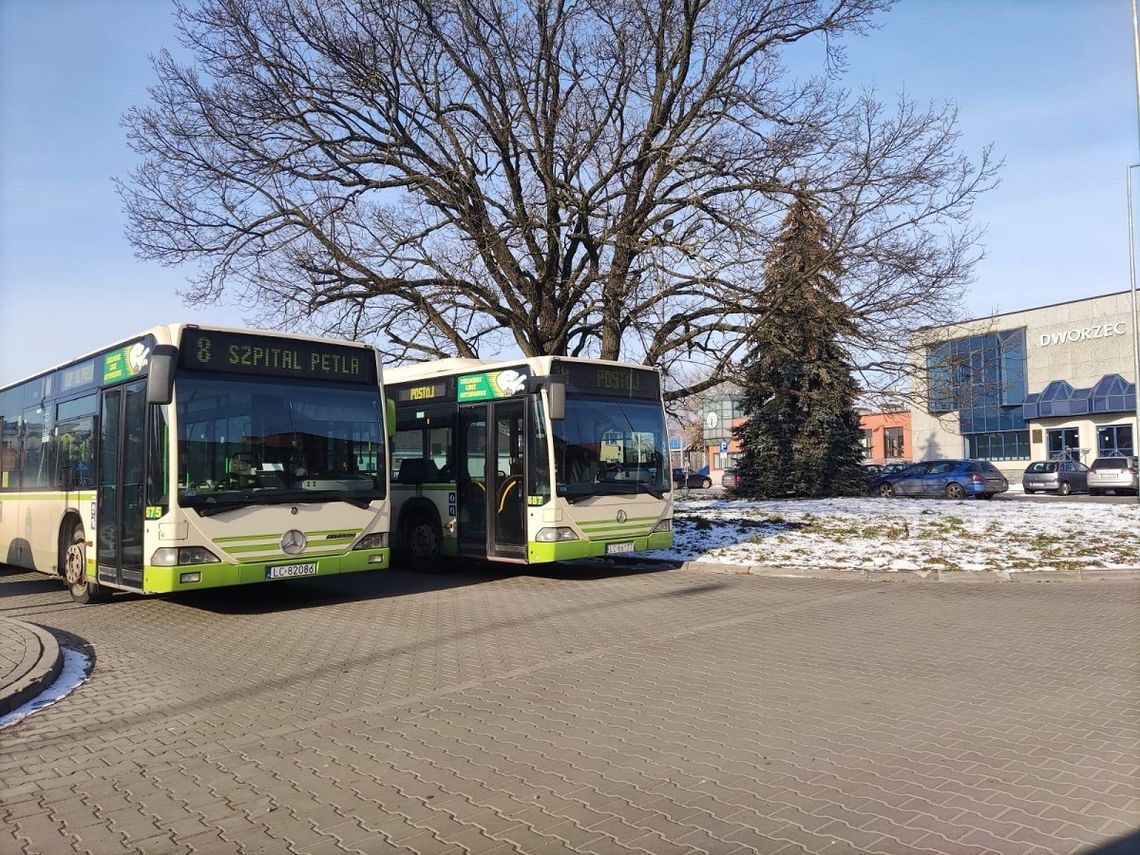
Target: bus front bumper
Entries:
(568, 550)
(196, 577)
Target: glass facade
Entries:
(1111, 394)
(719, 414)
(983, 377)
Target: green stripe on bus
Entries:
(611, 521)
(619, 531)
(352, 532)
(279, 557)
(234, 550)
(11, 496)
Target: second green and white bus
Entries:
(189, 457)
(529, 461)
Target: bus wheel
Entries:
(83, 590)
(422, 540)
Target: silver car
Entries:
(1055, 476)
(1113, 473)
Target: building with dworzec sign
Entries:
(1053, 382)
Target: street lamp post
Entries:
(1135, 329)
(1131, 250)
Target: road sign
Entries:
(723, 446)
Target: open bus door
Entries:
(490, 489)
(120, 506)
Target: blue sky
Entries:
(1049, 82)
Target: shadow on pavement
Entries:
(395, 582)
(1127, 845)
(33, 582)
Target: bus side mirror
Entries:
(160, 379)
(390, 416)
(556, 390)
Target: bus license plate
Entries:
(291, 571)
(618, 548)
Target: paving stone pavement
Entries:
(584, 712)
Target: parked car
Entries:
(691, 480)
(1055, 476)
(873, 470)
(1113, 473)
(735, 482)
(954, 479)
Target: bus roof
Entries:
(171, 334)
(458, 365)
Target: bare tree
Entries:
(601, 177)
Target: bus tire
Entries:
(422, 541)
(83, 589)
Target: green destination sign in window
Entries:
(491, 384)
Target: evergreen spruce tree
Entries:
(802, 436)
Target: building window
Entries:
(1114, 441)
(998, 445)
(893, 442)
(868, 444)
(718, 417)
(1064, 444)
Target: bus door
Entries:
(119, 497)
(491, 492)
(471, 480)
(505, 446)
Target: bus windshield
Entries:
(263, 441)
(608, 446)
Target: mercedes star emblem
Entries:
(293, 541)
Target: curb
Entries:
(921, 576)
(36, 662)
(914, 576)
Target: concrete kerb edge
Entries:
(41, 666)
(932, 575)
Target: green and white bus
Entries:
(189, 457)
(529, 461)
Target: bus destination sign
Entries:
(242, 353)
(621, 380)
(422, 392)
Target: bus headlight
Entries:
(379, 540)
(176, 556)
(663, 525)
(553, 535)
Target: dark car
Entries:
(1056, 476)
(954, 479)
(736, 482)
(874, 470)
(690, 480)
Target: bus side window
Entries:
(34, 463)
(8, 453)
(75, 457)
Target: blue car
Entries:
(952, 479)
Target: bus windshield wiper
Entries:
(210, 510)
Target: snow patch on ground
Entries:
(76, 668)
(906, 534)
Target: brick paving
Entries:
(666, 712)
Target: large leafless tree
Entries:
(602, 177)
